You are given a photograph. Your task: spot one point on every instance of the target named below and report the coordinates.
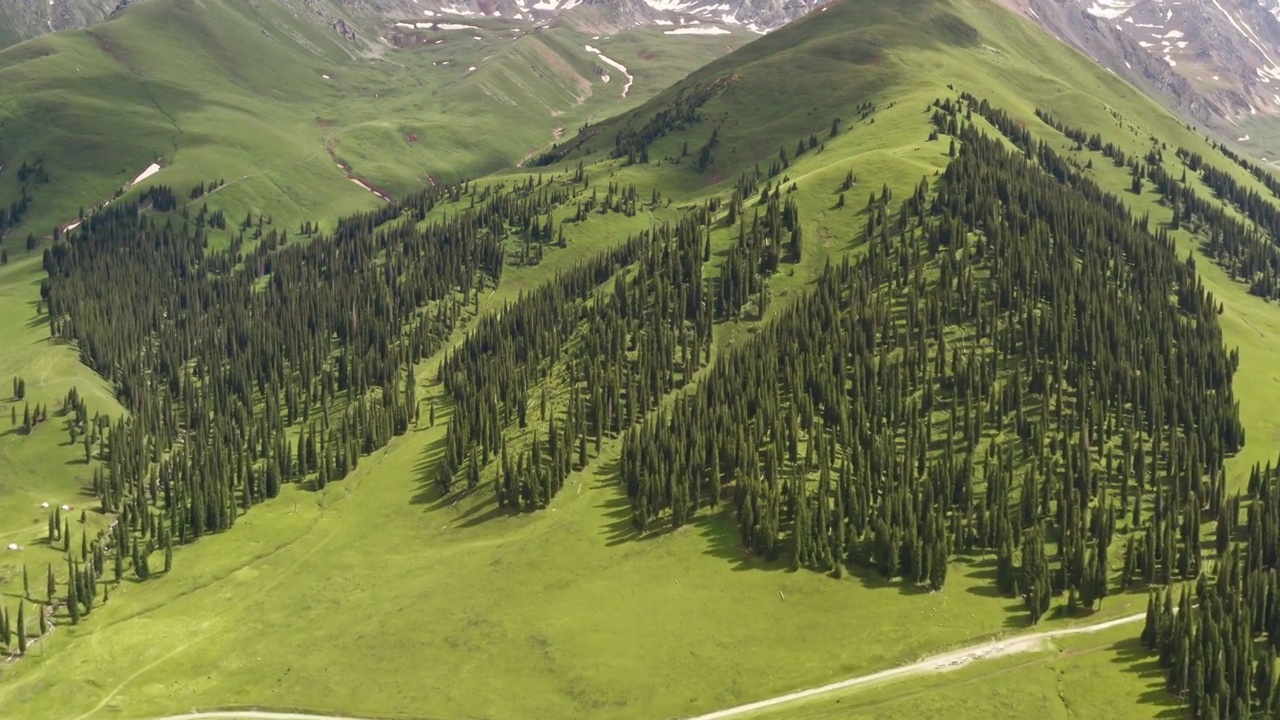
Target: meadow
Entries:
(376, 596)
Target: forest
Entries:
(1009, 365)
(274, 359)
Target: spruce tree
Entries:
(22, 627)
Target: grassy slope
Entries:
(1092, 676)
(317, 600)
(237, 90)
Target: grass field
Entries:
(1104, 675)
(247, 93)
(374, 596)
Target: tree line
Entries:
(996, 376)
(265, 362)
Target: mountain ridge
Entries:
(364, 23)
(1216, 62)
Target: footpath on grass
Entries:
(941, 662)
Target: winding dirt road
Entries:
(941, 662)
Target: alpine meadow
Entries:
(637, 360)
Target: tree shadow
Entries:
(985, 590)
(482, 512)
(873, 579)
(619, 525)
(984, 572)
(1016, 617)
(429, 492)
(1139, 661)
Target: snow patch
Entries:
(1109, 9)
(375, 192)
(455, 10)
(152, 169)
(456, 26)
(697, 31)
(667, 5)
(609, 61)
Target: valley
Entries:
(898, 360)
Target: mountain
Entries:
(266, 96)
(1217, 61)
(901, 325)
(23, 19)
(366, 23)
(758, 15)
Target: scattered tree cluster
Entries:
(1219, 640)
(604, 341)
(632, 142)
(30, 175)
(248, 367)
(1004, 372)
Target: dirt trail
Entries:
(941, 662)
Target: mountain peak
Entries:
(1217, 61)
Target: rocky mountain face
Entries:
(1214, 60)
(23, 19)
(363, 22)
(759, 15)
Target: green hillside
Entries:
(23, 19)
(893, 331)
(253, 95)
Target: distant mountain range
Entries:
(367, 21)
(1216, 61)
(23, 19)
(760, 15)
